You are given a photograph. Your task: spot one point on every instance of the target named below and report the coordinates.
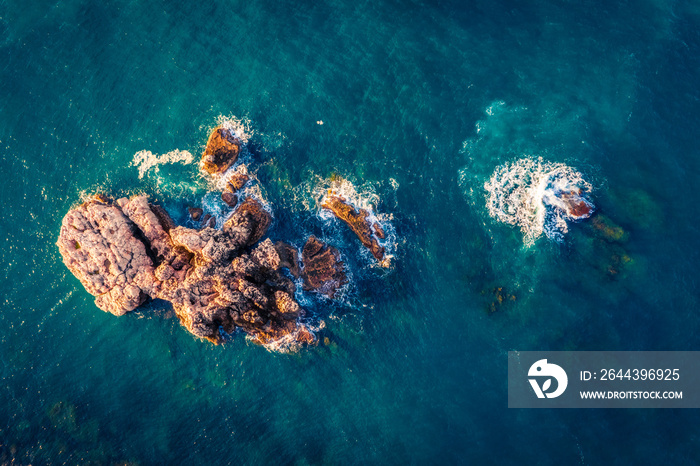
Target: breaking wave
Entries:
(538, 196)
(242, 128)
(289, 342)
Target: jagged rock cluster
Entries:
(129, 251)
(323, 271)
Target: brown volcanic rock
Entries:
(99, 245)
(128, 251)
(357, 220)
(575, 205)
(378, 231)
(195, 213)
(299, 334)
(172, 262)
(289, 258)
(251, 216)
(236, 182)
(323, 271)
(221, 152)
(229, 198)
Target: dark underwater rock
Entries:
(605, 228)
(229, 199)
(195, 213)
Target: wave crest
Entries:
(242, 128)
(538, 196)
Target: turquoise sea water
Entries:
(420, 102)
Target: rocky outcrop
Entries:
(323, 271)
(234, 184)
(358, 221)
(229, 199)
(237, 181)
(575, 205)
(195, 213)
(251, 216)
(127, 251)
(100, 245)
(221, 151)
(289, 258)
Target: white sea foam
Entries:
(289, 343)
(239, 168)
(242, 128)
(364, 198)
(536, 195)
(146, 160)
(212, 204)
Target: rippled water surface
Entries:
(420, 103)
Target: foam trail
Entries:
(538, 196)
(145, 160)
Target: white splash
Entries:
(538, 196)
(145, 160)
(364, 199)
(289, 343)
(242, 128)
(237, 169)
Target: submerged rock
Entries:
(499, 297)
(323, 271)
(575, 205)
(221, 151)
(229, 198)
(195, 213)
(605, 228)
(358, 220)
(126, 252)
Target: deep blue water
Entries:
(420, 103)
